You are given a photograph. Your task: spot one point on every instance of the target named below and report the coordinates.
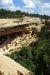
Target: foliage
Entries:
(18, 13)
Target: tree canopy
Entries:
(18, 13)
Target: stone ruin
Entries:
(13, 35)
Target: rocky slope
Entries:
(10, 67)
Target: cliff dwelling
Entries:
(14, 33)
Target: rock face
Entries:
(10, 67)
(14, 30)
(8, 26)
(14, 33)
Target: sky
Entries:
(32, 6)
